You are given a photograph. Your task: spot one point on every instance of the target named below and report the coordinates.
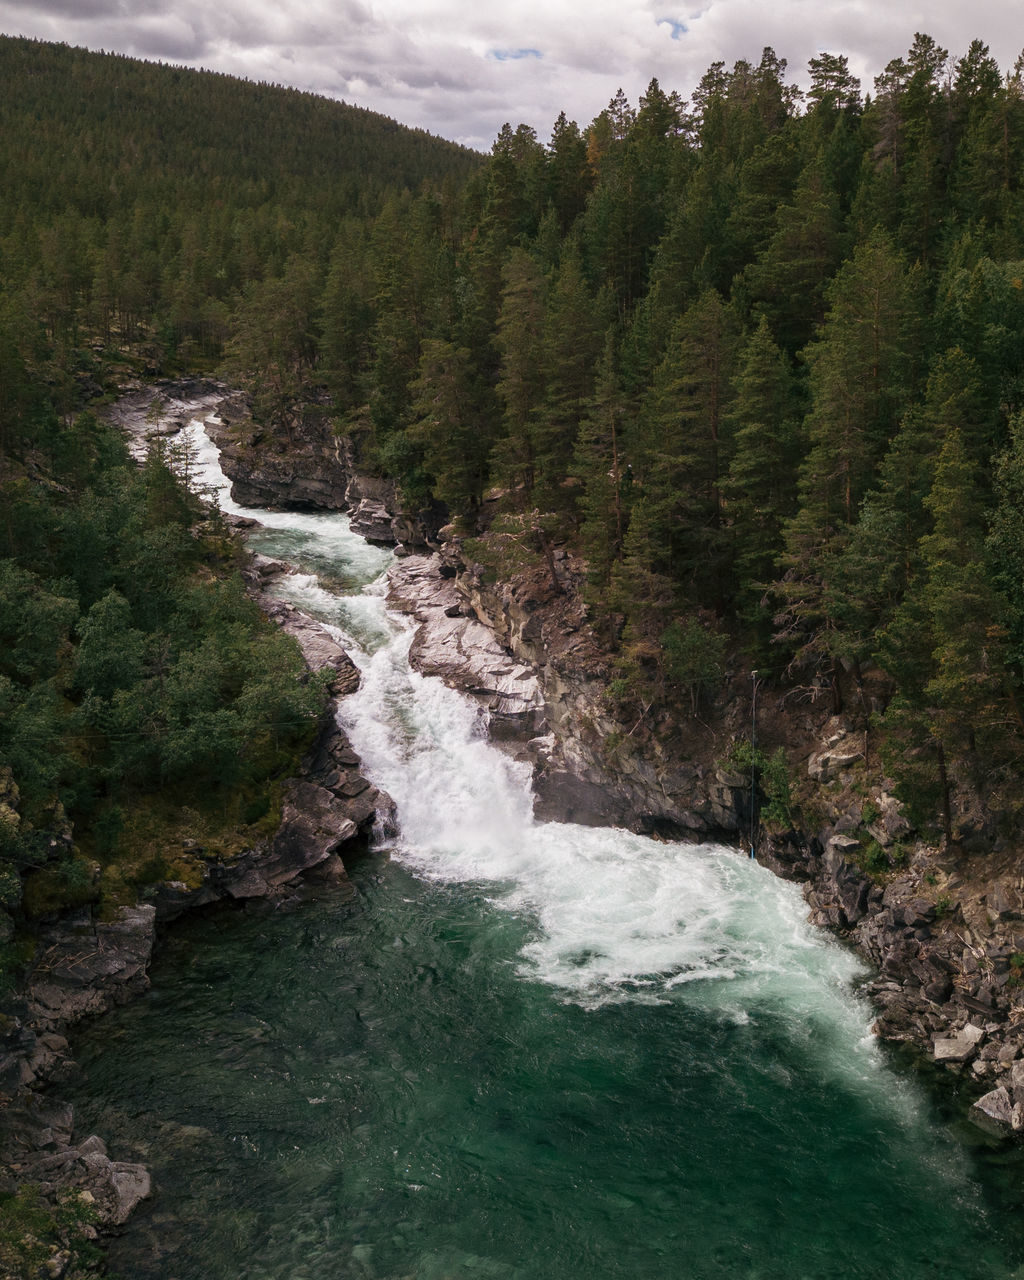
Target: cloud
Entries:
(87, 9)
(461, 68)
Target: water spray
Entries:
(753, 749)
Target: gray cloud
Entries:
(438, 64)
(44, 9)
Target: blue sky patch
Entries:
(677, 28)
(513, 55)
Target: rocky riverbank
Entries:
(943, 927)
(944, 931)
(85, 964)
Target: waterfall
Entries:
(614, 916)
(526, 1051)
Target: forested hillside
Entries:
(757, 357)
(143, 699)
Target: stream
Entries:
(526, 1051)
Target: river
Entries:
(526, 1051)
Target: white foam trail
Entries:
(326, 533)
(618, 915)
(614, 916)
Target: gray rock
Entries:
(372, 520)
(315, 824)
(827, 765)
(320, 649)
(939, 991)
(994, 1112)
(129, 1184)
(86, 967)
(1002, 903)
(463, 650)
(917, 912)
(960, 1047)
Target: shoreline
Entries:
(490, 645)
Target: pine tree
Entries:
(603, 474)
(572, 338)
(947, 648)
(447, 423)
(760, 485)
(685, 444)
(860, 371)
(569, 176)
(520, 341)
(788, 281)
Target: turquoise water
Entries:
(526, 1051)
(377, 1091)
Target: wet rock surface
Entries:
(320, 649)
(162, 409)
(500, 640)
(452, 643)
(945, 935)
(297, 464)
(84, 966)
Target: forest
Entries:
(755, 357)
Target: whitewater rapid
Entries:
(614, 916)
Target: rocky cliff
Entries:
(84, 963)
(943, 928)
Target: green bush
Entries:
(34, 1231)
(693, 655)
(771, 777)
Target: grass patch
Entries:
(35, 1233)
(172, 834)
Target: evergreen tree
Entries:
(953, 719)
(520, 337)
(572, 338)
(603, 475)
(569, 175)
(760, 485)
(685, 444)
(860, 370)
(448, 424)
(788, 281)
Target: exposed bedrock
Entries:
(945, 935)
(302, 463)
(526, 653)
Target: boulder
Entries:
(372, 520)
(1002, 903)
(827, 765)
(960, 1047)
(320, 649)
(315, 824)
(462, 650)
(891, 824)
(85, 966)
(994, 1112)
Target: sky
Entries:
(461, 68)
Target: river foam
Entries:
(527, 1050)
